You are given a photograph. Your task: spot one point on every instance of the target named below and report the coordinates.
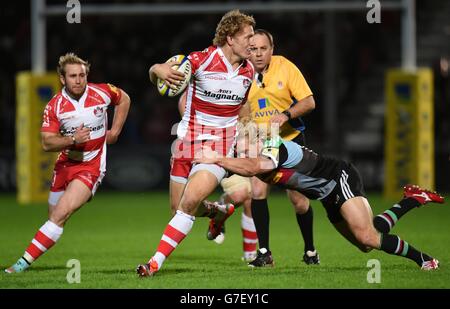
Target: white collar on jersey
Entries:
(72, 100)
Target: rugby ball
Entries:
(185, 68)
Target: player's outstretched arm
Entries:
(120, 115)
(242, 166)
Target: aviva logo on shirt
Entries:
(263, 103)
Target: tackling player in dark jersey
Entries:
(338, 185)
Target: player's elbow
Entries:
(125, 98)
(311, 103)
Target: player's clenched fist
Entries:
(82, 134)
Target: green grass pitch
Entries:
(117, 231)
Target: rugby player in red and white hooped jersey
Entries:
(216, 97)
(75, 124)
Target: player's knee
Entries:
(240, 196)
(59, 216)
(259, 190)
(173, 208)
(367, 240)
(300, 203)
(65, 207)
(258, 193)
(301, 206)
(189, 204)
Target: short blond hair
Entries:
(254, 131)
(230, 24)
(70, 58)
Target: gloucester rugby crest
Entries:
(246, 82)
(98, 111)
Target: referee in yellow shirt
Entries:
(280, 95)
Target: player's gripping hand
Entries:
(280, 119)
(82, 134)
(170, 76)
(206, 155)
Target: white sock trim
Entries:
(159, 258)
(179, 212)
(182, 222)
(51, 230)
(170, 241)
(28, 257)
(311, 253)
(39, 245)
(247, 223)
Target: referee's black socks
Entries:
(261, 218)
(305, 222)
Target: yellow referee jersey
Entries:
(282, 84)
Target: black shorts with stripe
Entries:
(348, 185)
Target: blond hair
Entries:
(230, 24)
(254, 131)
(70, 58)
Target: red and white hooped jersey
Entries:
(215, 95)
(64, 114)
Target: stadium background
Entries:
(121, 49)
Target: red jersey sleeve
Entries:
(50, 122)
(112, 91)
(197, 58)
